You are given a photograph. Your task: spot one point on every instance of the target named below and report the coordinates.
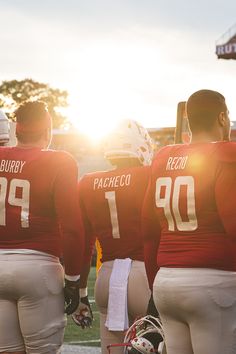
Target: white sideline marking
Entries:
(84, 341)
(79, 349)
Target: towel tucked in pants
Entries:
(138, 297)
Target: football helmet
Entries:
(145, 336)
(4, 128)
(129, 140)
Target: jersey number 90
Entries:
(170, 199)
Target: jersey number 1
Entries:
(22, 201)
(111, 198)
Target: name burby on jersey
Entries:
(176, 163)
(11, 166)
(112, 182)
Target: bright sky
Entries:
(119, 58)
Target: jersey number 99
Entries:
(12, 199)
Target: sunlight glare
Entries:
(111, 77)
(94, 126)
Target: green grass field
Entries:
(90, 336)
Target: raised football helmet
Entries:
(4, 128)
(145, 336)
(129, 140)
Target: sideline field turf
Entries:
(88, 337)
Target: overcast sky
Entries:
(119, 59)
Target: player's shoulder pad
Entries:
(165, 150)
(61, 156)
(144, 170)
(226, 151)
(88, 176)
(5, 149)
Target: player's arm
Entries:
(88, 231)
(72, 230)
(83, 315)
(151, 234)
(225, 193)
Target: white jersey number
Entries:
(22, 200)
(171, 204)
(111, 198)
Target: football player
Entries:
(190, 209)
(111, 203)
(4, 129)
(39, 222)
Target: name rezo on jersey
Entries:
(176, 163)
(112, 182)
(11, 166)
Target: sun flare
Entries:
(110, 79)
(91, 122)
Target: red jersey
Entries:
(192, 193)
(38, 200)
(111, 204)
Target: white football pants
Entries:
(197, 309)
(31, 303)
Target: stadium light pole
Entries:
(181, 113)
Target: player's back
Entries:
(111, 202)
(28, 184)
(188, 194)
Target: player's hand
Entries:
(83, 316)
(71, 294)
(151, 309)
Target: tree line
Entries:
(14, 92)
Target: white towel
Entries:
(117, 315)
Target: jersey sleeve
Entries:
(69, 215)
(150, 233)
(225, 191)
(89, 235)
